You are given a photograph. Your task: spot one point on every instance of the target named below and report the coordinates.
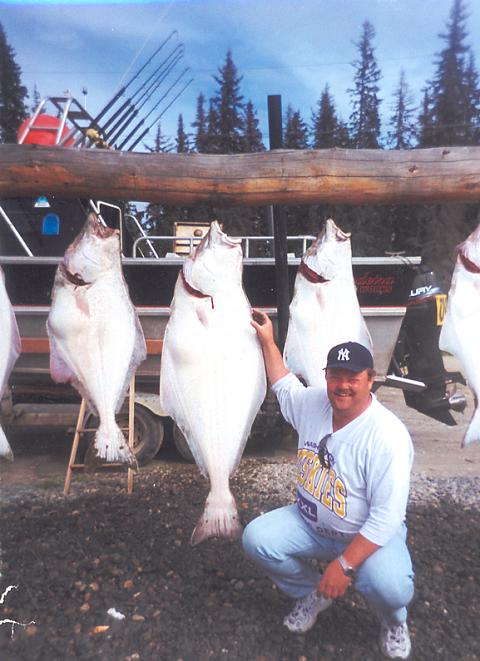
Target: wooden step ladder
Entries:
(80, 429)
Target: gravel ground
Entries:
(75, 558)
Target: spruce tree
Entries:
(324, 122)
(365, 117)
(212, 137)
(327, 130)
(403, 127)
(229, 108)
(426, 130)
(296, 131)
(252, 138)
(200, 124)
(181, 141)
(12, 93)
(454, 107)
(36, 98)
(472, 103)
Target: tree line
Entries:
(448, 114)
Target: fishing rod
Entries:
(157, 119)
(133, 112)
(121, 91)
(178, 57)
(142, 121)
(129, 102)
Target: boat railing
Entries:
(181, 246)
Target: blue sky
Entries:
(287, 47)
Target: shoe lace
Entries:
(396, 634)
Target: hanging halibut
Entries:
(212, 376)
(10, 346)
(461, 327)
(324, 310)
(96, 341)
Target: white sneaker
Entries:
(305, 612)
(395, 641)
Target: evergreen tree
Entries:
(296, 131)
(426, 131)
(454, 104)
(343, 136)
(212, 138)
(403, 130)
(161, 143)
(200, 124)
(472, 104)
(252, 138)
(229, 108)
(36, 98)
(327, 130)
(181, 141)
(12, 93)
(324, 122)
(365, 118)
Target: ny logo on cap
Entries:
(343, 354)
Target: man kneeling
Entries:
(353, 471)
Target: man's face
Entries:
(348, 392)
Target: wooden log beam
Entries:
(361, 176)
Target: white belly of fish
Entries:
(321, 316)
(459, 336)
(93, 334)
(213, 384)
(9, 351)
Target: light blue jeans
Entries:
(280, 542)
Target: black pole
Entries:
(279, 226)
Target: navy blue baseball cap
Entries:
(350, 356)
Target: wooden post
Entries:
(279, 227)
(79, 430)
(131, 429)
(74, 450)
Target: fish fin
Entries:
(113, 447)
(59, 369)
(61, 372)
(6, 453)
(217, 520)
(473, 431)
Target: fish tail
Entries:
(473, 432)
(112, 446)
(6, 453)
(219, 519)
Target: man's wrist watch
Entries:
(348, 570)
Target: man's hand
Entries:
(264, 327)
(333, 583)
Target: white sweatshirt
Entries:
(366, 489)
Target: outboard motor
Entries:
(417, 355)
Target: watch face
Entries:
(347, 569)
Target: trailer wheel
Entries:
(148, 433)
(181, 444)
